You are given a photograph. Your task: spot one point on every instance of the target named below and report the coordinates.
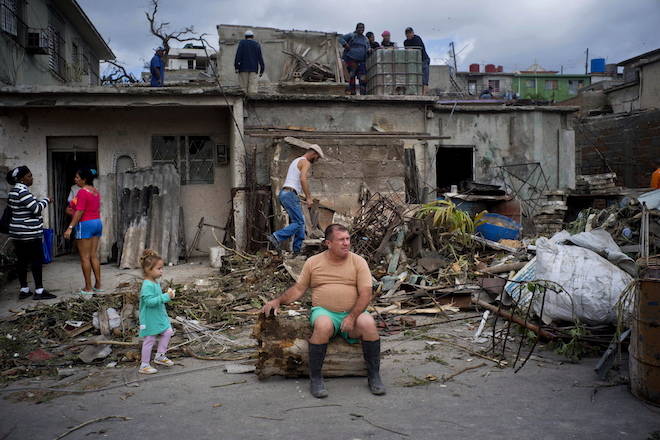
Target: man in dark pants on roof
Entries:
(415, 41)
(341, 291)
(157, 68)
(356, 48)
(248, 63)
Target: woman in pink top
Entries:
(87, 228)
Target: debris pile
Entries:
(300, 67)
(596, 184)
(549, 218)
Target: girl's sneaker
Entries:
(163, 360)
(148, 369)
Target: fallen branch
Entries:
(513, 318)
(453, 375)
(228, 384)
(122, 343)
(375, 425)
(89, 422)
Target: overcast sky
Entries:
(512, 33)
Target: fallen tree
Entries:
(282, 342)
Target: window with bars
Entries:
(9, 16)
(495, 84)
(551, 84)
(530, 83)
(472, 87)
(574, 85)
(194, 156)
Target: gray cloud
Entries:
(513, 33)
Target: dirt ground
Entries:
(63, 277)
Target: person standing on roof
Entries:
(356, 48)
(373, 44)
(295, 184)
(387, 43)
(415, 42)
(248, 63)
(157, 68)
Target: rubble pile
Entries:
(596, 184)
(549, 219)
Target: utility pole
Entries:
(586, 63)
(453, 55)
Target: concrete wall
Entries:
(439, 82)
(510, 136)
(624, 99)
(625, 144)
(19, 67)
(23, 140)
(505, 79)
(272, 41)
(325, 115)
(650, 86)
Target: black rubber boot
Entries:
(371, 350)
(316, 357)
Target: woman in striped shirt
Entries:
(26, 231)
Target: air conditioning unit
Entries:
(37, 43)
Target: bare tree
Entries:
(160, 29)
(117, 75)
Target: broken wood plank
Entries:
(507, 267)
(494, 245)
(283, 350)
(513, 318)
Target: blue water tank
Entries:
(598, 65)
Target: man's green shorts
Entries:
(336, 318)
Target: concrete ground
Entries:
(547, 399)
(63, 277)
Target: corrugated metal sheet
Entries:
(147, 214)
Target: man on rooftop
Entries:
(415, 42)
(248, 63)
(356, 48)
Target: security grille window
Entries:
(200, 64)
(472, 87)
(495, 84)
(551, 84)
(194, 156)
(531, 83)
(75, 54)
(191, 64)
(9, 16)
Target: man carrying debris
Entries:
(295, 184)
(356, 48)
(157, 68)
(341, 291)
(248, 62)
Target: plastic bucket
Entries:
(47, 244)
(498, 227)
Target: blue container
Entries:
(598, 65)
(497, 227)
(47, 244)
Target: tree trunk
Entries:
(283, 350)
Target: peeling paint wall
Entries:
(23, 140)
(513, 137)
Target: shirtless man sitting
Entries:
(341, 291)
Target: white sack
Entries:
(592, 284)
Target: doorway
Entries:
(453, 165)
(66, 155)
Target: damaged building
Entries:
(230, 150)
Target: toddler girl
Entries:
(153, 316)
